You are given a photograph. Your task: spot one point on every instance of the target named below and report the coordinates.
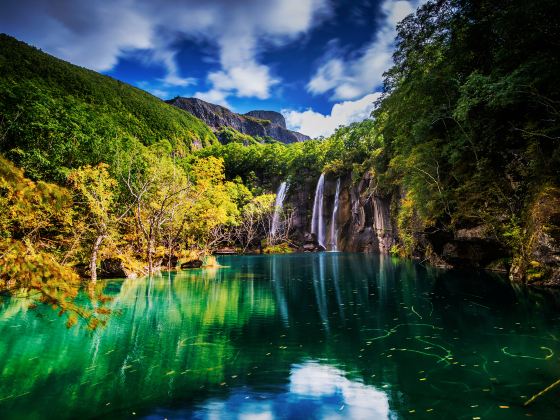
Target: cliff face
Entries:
(364, 223)
(272, 116)
(254, 123)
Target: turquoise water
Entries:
(291, 336)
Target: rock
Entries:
(541, 264)
(272, 116)
(466, 247)
(473, 252)
(112, 268)
(82, 270)
(217, 116)
(477, 232)
(501, 266)
(225, 251)
(169, 261)
(191, 264)
(309, 247)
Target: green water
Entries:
(297, 336)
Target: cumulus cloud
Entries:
(95, 34)
(352, 77)
(247, 80)
(315, 124)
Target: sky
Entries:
(319, 62)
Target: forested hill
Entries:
(54, 115)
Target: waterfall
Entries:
(334, 232)
(382, 225)
(278, 205)
(317, 221)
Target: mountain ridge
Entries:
(258, 123)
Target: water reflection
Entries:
(322, 335)
(336, 393)
(320, 288)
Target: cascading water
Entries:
(382, 224)
(334, 232)
(317, 220)
(278, 205)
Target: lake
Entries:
(326, 335)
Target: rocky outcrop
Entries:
(475, 247)
(112, 268)
(169, 261)
(191, 264)
(216, 117)
(364, 224)
(362, 220)
(272, 116)
(539, 264)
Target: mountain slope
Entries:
(54, 115)
(255, 123)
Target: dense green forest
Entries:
(465, 135)
(56, 116)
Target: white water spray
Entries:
(278, 206)
(334, 230)
(317, 220)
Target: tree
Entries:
(37, 219)
(254, 217)
(158, 187)
(95, 193)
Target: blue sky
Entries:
(319, 62)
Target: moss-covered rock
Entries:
(539, 261)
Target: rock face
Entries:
(362, 220)
(255, 123)
(365, 223)
(540, 264)
(112, 268)
(272, 116)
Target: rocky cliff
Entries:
(255, 123)
(362, 221)
(365, 223)
(272, 116)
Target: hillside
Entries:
(54, 115)
(259, 124)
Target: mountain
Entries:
(55, 115)
(255, 123)
(272, 116)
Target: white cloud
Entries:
(351, 78)
(330, 385)
(95, 34)
(249, 80)
(214, 96)
(315, 124)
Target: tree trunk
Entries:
(150, 258)
(93, 262)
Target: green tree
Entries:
(95, 192)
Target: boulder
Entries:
(309, 247)
(169, 261)
(112, 268)
(226, 251)
(191, 264)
